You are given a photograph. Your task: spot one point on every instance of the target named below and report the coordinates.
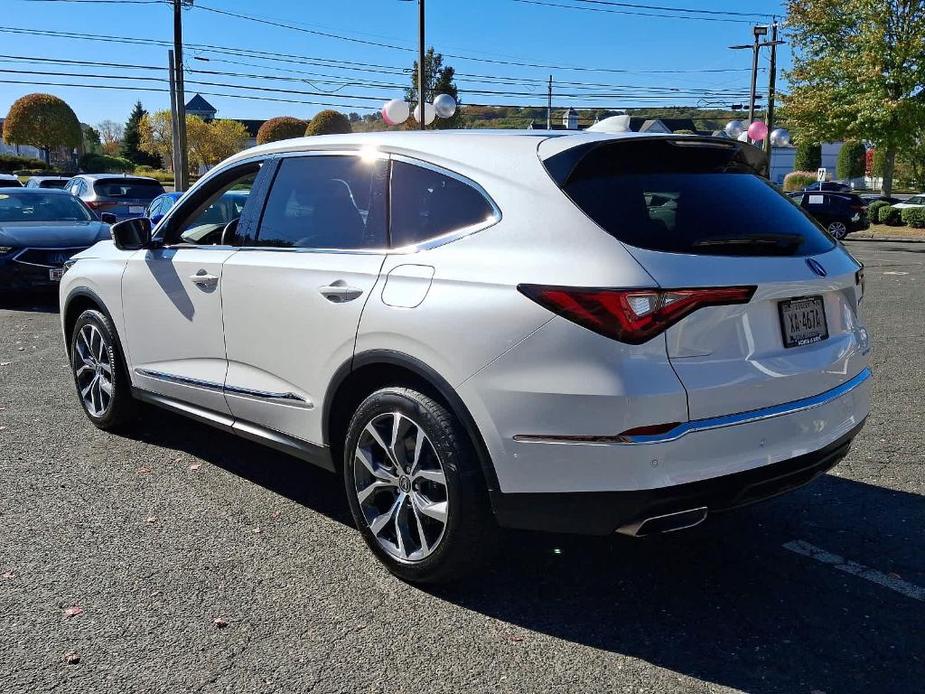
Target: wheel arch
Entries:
(78, 301)
(368, 371)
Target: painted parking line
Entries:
(910, 590)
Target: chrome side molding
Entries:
(287, 398)
(704, 424)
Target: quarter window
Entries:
(427, 204)
(326, 202)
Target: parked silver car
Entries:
(120, 195)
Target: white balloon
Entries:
(780, 137)
(429, 113)
(734, 128)
(395, 111)
(445, 106)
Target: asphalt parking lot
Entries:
(157, 536)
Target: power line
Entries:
(671, 9)
(633, 13)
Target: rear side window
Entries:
(128, 189)
(696, 197)
(427, 203)
(326, 202)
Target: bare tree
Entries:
(110, 136)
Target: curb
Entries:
(894, 239)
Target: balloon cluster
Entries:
(757, 132)
(396, 111)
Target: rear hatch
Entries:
(124, 197)
(698, 213)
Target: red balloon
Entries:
(758, 130)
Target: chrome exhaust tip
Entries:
(668, 523)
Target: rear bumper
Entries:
(602, 513)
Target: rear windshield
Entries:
(698, 197)
(53, 183)
(128, 189)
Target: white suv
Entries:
(567, 332)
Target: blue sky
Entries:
(483, 36)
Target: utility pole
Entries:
(174, 123)
(751, 100)
(772, 84)
(181, 174)
(549, 105)
(421, 53)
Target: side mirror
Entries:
(108, 218)
(132, 234)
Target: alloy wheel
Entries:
(401, 487)
(838, 230)
(93, 370)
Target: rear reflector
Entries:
(632, 316)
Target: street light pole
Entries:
(421, 97)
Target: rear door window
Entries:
(427, 203)
(326, 202)
(694, 197)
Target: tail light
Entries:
(101, 204)
(632, 316)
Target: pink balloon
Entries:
(385, 115)
(757, 130)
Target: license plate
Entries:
(802, 321)
(55, 274)
(135, 209)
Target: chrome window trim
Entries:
(708, 424)
(448, 237)
(288, 398)
(76, 249)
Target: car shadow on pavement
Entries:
(727, 603)
(36, 302)
(282, 474)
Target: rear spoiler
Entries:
(652, 155)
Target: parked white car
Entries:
(572, 332)
(914, 201)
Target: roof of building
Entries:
(252, 125)
(200, 105)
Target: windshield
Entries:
(706, 200)
(38, 207)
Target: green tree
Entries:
(131, 140)
(329, 122)
(43, 121)
(438, 79)
(808, 156)
(91, 139)
(851, 160)
(280, 128)
(858, 73)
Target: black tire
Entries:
(120, 408)
(469, 533)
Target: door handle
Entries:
(203, 277)
(339, 293)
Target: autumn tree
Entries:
(280, 128)
(110, 136)
(438, 79)
(329, 122)
(43, 121)
(858, 73)
(208, 143)
(155, 136)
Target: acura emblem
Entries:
(816, 267)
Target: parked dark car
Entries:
(40, 229)
(47, 181)
(831, 186)
(123, 196)
(868, 198)
(839, 213)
